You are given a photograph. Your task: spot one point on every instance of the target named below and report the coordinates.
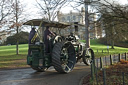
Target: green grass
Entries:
(11, 50)
(9, 59)
(97, 46)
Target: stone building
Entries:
(79, 18)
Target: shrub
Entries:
(22, 37)
(122, 61)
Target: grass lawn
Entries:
(97, 46)
(9, 59)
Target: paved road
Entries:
(50, 77)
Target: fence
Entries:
(103, 51)
(101, 63)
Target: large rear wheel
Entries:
(63, 57)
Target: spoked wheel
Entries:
(88, 56)
(38, 69)
(57, 39)
(63, 57)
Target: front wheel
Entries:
(88, 56)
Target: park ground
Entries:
(9, 59)
(114, 75)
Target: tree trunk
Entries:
(17, 48)
(107, 37)
(112, 37)
(87, 26)
(112, 44)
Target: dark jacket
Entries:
(31, 34)
(47, 33)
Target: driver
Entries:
(47, 34)
(31, 35)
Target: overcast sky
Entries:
(33, 10)
(30, 7)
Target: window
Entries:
(79, 18)
(74, 18)
(63, 19)
(68, 18)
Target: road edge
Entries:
(2, 69)
(81, 80)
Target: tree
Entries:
(17, 19)
(85, 3)
(114, 17)
(5, 10)
(11, 17)
(49, 8)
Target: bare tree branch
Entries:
(51, 7)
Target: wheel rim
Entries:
(67, 58)
(62, 57)
(89, 60)
(88, 56)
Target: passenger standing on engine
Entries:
(47, 34)
(31, 35)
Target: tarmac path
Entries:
(28, 76)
